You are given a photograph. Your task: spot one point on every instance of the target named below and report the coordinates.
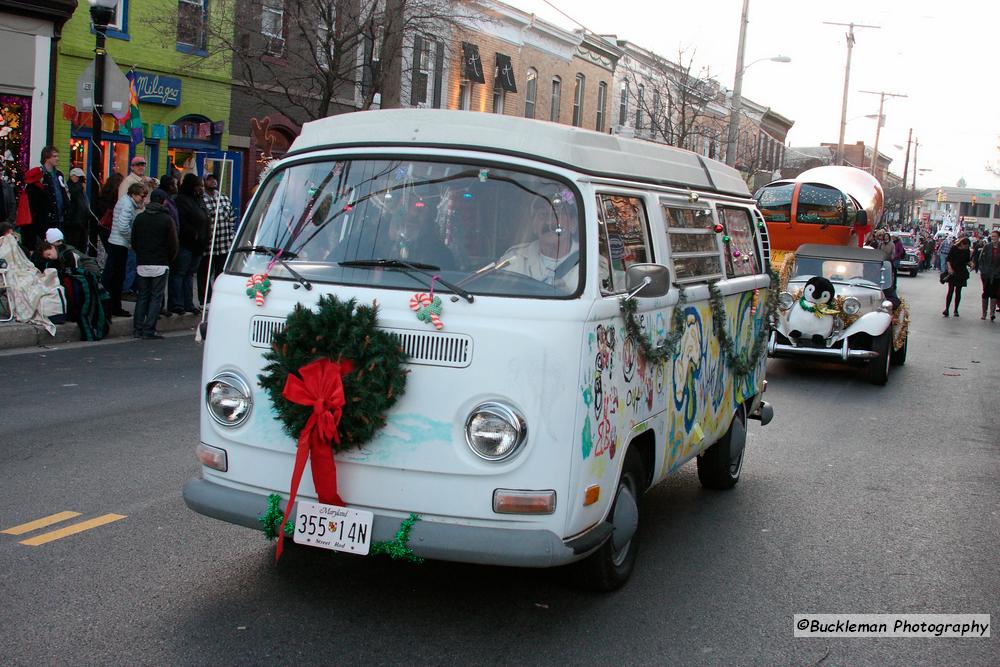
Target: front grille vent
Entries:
(263, 328)
(428, 348)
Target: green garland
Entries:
(397, 549)
(338, 330)
(741, 365)
(668, 347)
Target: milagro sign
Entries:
(158, 89)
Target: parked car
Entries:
(862, 320)
(914, 257)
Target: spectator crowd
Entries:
(141, 239)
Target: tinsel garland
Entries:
(901, 316)
(398, 548)
(665, 351)
(742, 365)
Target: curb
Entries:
(16, 335)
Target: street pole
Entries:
(734, 113)
(101, 14)
(881, 104)
(913, 194)
(847, 82)
(906, 167)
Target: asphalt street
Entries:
(855, 499)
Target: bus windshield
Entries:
(821, 204)
(775, 202)
(369, 222)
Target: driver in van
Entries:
(554, 256)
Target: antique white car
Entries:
(863, 321)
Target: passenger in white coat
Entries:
(554, 256)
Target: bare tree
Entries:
(308, 59)
(673, 104)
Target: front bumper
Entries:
(842, 352)
(908, 264)
(431, 539)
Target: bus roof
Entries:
(592, 153)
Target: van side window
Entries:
(694, 245)
(624, 238)
(741, 255)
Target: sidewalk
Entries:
(15, 335)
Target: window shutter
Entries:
(438, 74)
(418, 82)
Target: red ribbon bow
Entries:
(320, 384)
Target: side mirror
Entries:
(647, 280)
(861, 219)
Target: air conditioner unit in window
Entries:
(275, 46)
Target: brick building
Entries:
(513, 63)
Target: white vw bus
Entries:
(531, 422)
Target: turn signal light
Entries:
(592, 495)
(212, 457)
(512, 501)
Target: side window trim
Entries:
(604, 240)
(755, 244)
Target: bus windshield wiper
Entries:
(402, 265)
(279, 256)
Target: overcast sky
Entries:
(944, 56)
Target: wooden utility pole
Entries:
(847, 82)
(881, 103)
(906, 167)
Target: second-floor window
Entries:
(578, 100)
(556, 99)
(272, 26)
(623, 105)
(192, 21)
(602, 100)
(639, 106)
(530, 94)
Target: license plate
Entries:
(333, 527)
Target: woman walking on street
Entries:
(957, 264)
(989, 273)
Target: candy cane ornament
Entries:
(428, 308)
(258, 286)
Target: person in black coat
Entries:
(194, 239)
(154, 240)
(958, 272)
(77, 223)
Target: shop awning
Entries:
(473, 64)
(505, 73)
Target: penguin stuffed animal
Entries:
(811, 316)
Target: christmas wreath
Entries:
(331, 376)
(340, 331)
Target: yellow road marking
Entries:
(39, 523)
(71, 530)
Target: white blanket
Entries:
(35, 295)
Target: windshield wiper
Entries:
(401, 265)
(278, 255)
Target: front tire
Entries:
(608, 568)
(878, 368)
(720, 465)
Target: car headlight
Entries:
(495, 431)
(785, 300)
(229, 399)
(851, 306)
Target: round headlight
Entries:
(852, 306)
(229, 399)
(494, 431)
(785, 300)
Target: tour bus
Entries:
(501, 254)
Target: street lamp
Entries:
(102, 13)
(734, 114)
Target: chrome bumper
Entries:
(843, 352)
